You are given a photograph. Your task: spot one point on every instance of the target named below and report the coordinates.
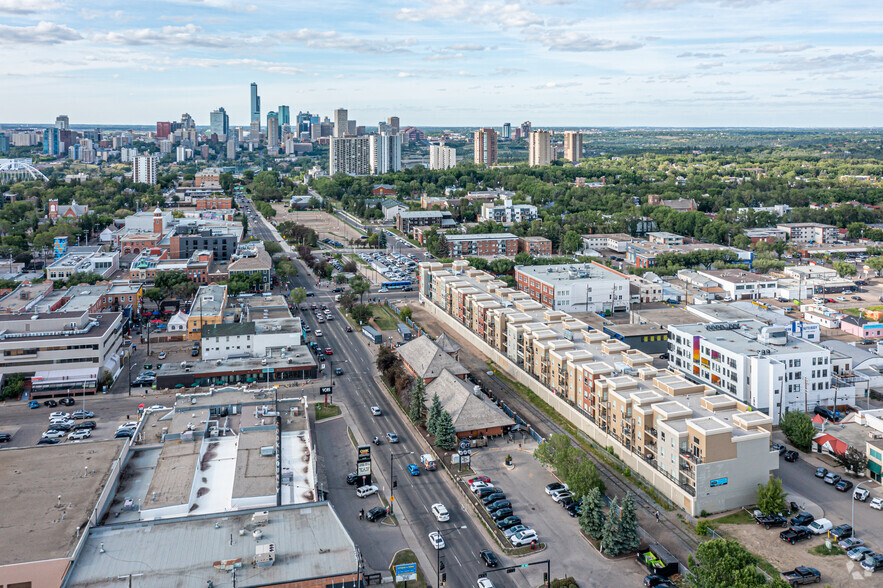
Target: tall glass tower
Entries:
(255, 103)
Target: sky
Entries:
(579, 63)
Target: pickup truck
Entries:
(795, 534)
(802, 575)
(769, 521)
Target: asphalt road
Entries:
(257, 227)
(358, 391)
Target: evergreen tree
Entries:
(445, 436)
(417, 410)
(591, 516)
(435, 410)
(610, 536)
(628, 525)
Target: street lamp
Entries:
(392, 484)
(859, 485)
(441, 533)
(130, 373)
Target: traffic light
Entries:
(395, 483)
(444, 578)
(545, 578)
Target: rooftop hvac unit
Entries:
(260, 518)
(265, 555)
(268, 451)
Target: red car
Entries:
(329, 351)
(479, 479)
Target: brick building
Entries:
(482, 244)
(535, 246)
(214, 203)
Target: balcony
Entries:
(690, 458)
(650, 432)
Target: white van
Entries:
(364, 491)
(820, 526)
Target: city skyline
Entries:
(739, 63)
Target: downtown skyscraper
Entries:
(255, 103)
(220, 122)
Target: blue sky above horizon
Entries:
(581, 63)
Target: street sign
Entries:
(268, 370)
(325, 390)
(363, 468)
(322, 367)
(406, 572)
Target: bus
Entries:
(401, 285)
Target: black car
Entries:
(5, 437)
(497, 505)
(821, 472)
(485, 492)
(50, 403)
(843, 485)
(770, 521)
(60, 427)
(802, 519)
(493, 497)
(502, 513)
(351, 478)
(376, 513)
(124, 433)
(841, 532)
(85, 425)
(654, 580)
(791, 455)
(45, 441)
(795, 534)
(574, 509)
(67, 401)
(554, 486)
(509, 521)
(490, 560)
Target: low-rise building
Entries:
(407, 220)
(253, 261)
(768, 234)
(214, 203)
(700, 449)
(472, 415)
(220, 240)
(149, 264)
(817, 233)
(742, 285)
(613, 241)
(862, 327)
(103, 263)
(535, 246)
(665, 238)
(644, 253)
(207, 309)
(425, 360)
(256, 338)
(508, 213)
(392, 208)
(25, 296)
(461, 245)
(588, 287)
(811, 272)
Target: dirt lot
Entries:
(837, 570)
(322, 222)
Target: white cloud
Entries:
(701, 55)
(444, 56)
(668, 4)
(254, 64)
(556, 85)
(224, 5)
(405, 74)
(189, 35)
(578, 42)
(504, 14)
(783, 48)
(334, 40)
(465, 47)
(856, 59)
(43, 33)
(27, 6)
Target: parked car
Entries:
(513, 530)
(33, 404)
(61, 426)
(476, 486)
(770, 521)
(486, 491)
(497, 505)
(493, 497)
(488, 557)
(843, 485)
(82, 414)
(821, 472)
(413, 469)
(525, 537)
(554, 486)
(873, 563)
(79, 434)
(472, 481)
(376, 513)
(68, 401)
(559, 495)
(50, 403)
(352, 478)
(48, 441)
(820, 526)
(850, 542)
(791, 456)
(877, 503)
(124, 433)
(802, 519)
(802, 575)
(841, 532)
(831, 478)
(502, 513)
(778, 447)
(53, 434)
(59, 415)
(861, 494)
(574, 509)
(859, 553)
(507, 522)
(795, 534)
(363, 491)
(5, 437)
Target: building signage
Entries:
(406, 572)
(364, 453)
(363, 468)
(718, 482)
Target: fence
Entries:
(407, 320)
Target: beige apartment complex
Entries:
(573, 146)
(540, 148)
(701, 449)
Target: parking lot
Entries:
(392, 267)
(326, 225)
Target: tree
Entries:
(417, 408)
(386, 359)
(610, 532)
(13, 386)
(297, 296)
(445, 435)
(347, 301)
(628, 525)
(361, 313)
(83, 278)
(381, 239)
(184, 290)
(798, 427)
(875, 263)
(550, 450)
(285, 269)
(844, 269)
(165, 281)
(724, 562)
(591, 514)
(771, 498)
(853, 460)
(405, 313)
(432, 416)
(359, 286)
(156, 295)
(272, 247)
(571, 242)
(583, 477)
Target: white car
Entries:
(523, 538)
(375, 410)
(53, 434)
(559, 495)
(877, 503)
(441, 513)
(59, 415)
(437, 540)
(318, 333)
(129, 425)
(59, 421)
(80, 434)
(162, 355)
(476, 486)
(485, 583)
(158, 407)
(363, 491)
(840, 299)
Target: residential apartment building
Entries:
(144, 169)
(103, 263)
(221, 241)
(763, 366)
(573, 146)
(207, 309)
(442, 157)
(257, 338)
(350, 155)
(460, 245)
(742, 285)
(485, 147)
(72, 348)
(644, 253)
(701, 450)
(535, 246)
(407, 220)
(817, 233)
(254, 261)
(588, 287)
(508, 213)
(540, 148)
(198, 266)
(613, 241)
(385, 152)
(665, 238)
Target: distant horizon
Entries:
(621, 63)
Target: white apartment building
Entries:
(257, 338)
(540, 148)
(350, 155)
(589, 287)
(442, 157)
(144, 169)
(507, 212)
(613, 241)
(385, 153)
(809, 232)
(761, 365)
(742, 285)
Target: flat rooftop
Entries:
(33, 526)
(736, 276)
(570, 272)
(255, 474)
(309, 540)
(479, 237)
(25, 294)
(719, 312)
(209, 300)
(743, 340)
(300, 358)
